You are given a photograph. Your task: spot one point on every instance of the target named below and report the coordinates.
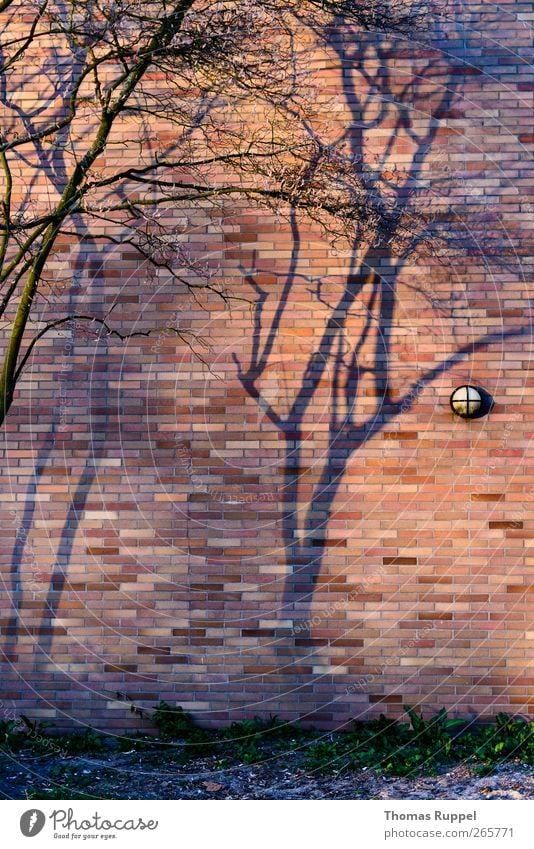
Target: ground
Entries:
(155, 774)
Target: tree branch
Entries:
(52, 325)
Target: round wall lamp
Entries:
(470, 402)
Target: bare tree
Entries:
(177, 83)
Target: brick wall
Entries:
(294, 522)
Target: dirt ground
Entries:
(161, 775)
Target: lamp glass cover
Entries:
(466, 401)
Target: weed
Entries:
(510, 738)
(67, 784)
(385, 745)
(12, 735)
(393, 747)
(243, 740)
(86, 743)
(174, 724)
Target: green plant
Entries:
(247, 753)
(482, 770)
(387, 745)
(327, 756)
(383, 744)
(12, 735)
(510, 738)
(174, 724)
(86, 743)
(243, 740)
(262, 729)
(64, 783)
(436, 728)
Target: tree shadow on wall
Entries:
(42, 588)
(25, 575)
(406, 112)
(405, 109)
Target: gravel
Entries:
(160, 775)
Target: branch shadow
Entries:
(373, 273)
